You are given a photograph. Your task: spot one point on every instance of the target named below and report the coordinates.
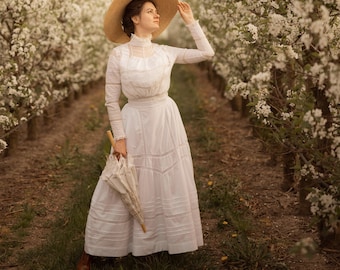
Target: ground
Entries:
(243, 156)
(26, 175)
(24, 178)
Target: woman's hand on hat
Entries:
(186, 12)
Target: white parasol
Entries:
(121, 175)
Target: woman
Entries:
(149, 129)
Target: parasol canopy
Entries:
(121, 175)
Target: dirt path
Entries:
(27, 181)
(25, 178)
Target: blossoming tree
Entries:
(49, 49)
(283, 57)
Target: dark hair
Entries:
(132, 9)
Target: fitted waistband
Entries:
(153, 100)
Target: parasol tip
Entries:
(143, 228)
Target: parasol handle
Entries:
(143, 228)
(109, 134)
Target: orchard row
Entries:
(283, 59)
(49, 49)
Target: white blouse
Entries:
(142, 69)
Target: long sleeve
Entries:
(203, 52)
(112, 95)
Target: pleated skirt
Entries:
(157, 141)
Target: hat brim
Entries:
(112, 21)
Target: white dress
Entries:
(157, 141)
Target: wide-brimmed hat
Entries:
(113, 18)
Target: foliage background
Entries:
(280, 57)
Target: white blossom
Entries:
(262, 109)
(285, 116)
(3, 145)
(277, 23)
(253, 30)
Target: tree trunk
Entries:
(245, 109)
(236, 103)
(288, 171)
(69, 100)
(59, 108)
(77, 94)
(47, 116)
(12, 143)
(329, 239)
(32, 129)
(304, 190)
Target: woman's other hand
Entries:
(186, 12)
(120, 148)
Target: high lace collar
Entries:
(140, 42)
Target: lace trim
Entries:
(141, 47)
(142, 52)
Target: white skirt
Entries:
(157, 141)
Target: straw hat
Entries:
(113, 17)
